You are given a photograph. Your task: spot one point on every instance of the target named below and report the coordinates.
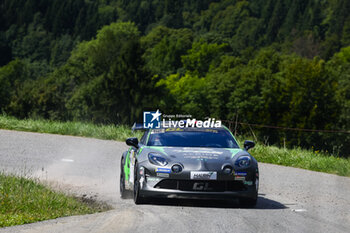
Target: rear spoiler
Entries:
(137, 126)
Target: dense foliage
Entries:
(269, 62)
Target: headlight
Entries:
(157, 159)
(243, 161)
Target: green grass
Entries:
(25, 201)
(109, 132)
(297, 157)
(301, 158)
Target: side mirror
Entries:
(132, 142)
(248, 145)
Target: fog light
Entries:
(227, 170)
(142, 171)
(176, 168)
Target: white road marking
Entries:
(299, 210)
(67, 160)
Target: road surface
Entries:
(290, 199)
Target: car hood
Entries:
(197, 158)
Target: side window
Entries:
(144, 138)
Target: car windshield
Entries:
(192, 137)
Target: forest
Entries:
(261, 62)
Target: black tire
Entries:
(248, 202)
(137, 198)
(123, 193)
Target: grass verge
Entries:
(25, 201)
(301, 158)
(297, 157)
(109, 132)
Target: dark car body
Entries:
(189, 163)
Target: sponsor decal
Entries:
(152, 179)
(240, 174)
(248, 182)
(199, 154)
(158, 131)
(205, 151)
(163, 170)
(203, 175)
(201, 157)
(201, 186)
(241, 178)
(165, 175)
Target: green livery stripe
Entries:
(231, 134)
(149, 133)
(234, 151)
(140, 150)
(126, 167)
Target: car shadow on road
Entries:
(263, 203)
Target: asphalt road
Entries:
(290, 199)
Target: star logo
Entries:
(156, 115)
(151, 119)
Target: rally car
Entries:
(204, 163)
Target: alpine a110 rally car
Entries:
(191, 162)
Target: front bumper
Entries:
(147, 191)
(181, 186)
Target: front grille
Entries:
(202, 186)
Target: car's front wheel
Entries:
(248, 202)
(122, 190)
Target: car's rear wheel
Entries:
(122, 190)
(137, 198)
